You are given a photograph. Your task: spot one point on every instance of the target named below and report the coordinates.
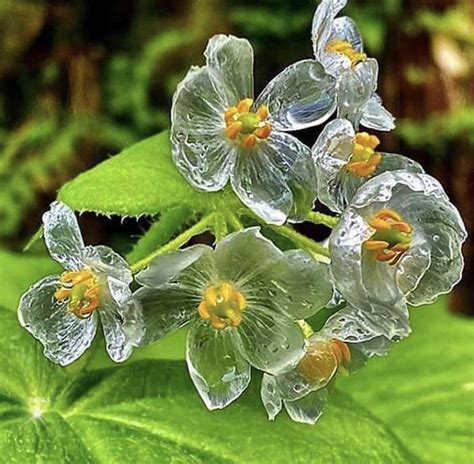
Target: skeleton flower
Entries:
(345, 343)
(242, 299)
(398, 241)
(345, 160)
(218, 132)
(338, 46)
(62, 311)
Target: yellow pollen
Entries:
(82, 289)
(392, 237)
(345, 48)
(322, 360)
(222, 305)
(245, 126)
(364, 159)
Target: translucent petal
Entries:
(64, 336)
(298, 285)
(218, 371)
(104, 260)
(314, 372)
(199, 146)
(168, 266)
(413, 265)
(301, 96)
(344, 29)
(271, 341)
(308, 409)
(355, 88)
(267, 176)
(322, 25)
(271, 399)
(245, 256)
(165, 309)
(122, 327)
(375, 116)
(63, 236)
(233, 59)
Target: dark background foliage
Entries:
(80, 80)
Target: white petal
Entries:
(63, 236)
(218, 371)
(64, 336)
(375, 116)
(200, 150)
(303, 95)
(168, 266)
(308, 409)
(122, 327)
(275, 178)
(104, 260)
(233, 59)
(322, 26)
(271, 341)
(270, 397)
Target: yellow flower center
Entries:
(244, 125)
(322, 359)
(222, 305)
(392, 237)
(345, 48)
(364, 159)
(82, 289)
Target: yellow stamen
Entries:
(345, 48)
(245, 126)
(222, 305)
(392, 237)
(364, 159)
(82, 289)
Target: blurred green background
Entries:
(80, 80)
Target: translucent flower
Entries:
(218, 132)
(398, 241)
(338, 46)
(242, 299)
(344, 344)
(62, 311)
(346, 159)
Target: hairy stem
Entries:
(320, 218)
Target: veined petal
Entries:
(308, 409)
(302, 95)
(64, 336)
(122, 327)
(322, 25)
(276, 178)
(271, 341)
(168, 266)
(271, 399)
(165, 309)
(103, 259)
(219, 373)
(233, 59)
(63, 236)
(375, 116)
(200, 149)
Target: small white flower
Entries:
(346, 159)
(399, 241)
(219, 133)
(62, 311)
(345, 343)
(242, 299)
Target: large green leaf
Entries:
(424, 389)
(148, 411)
(142, 179)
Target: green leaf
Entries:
(140, 180)
(424, 389)
(148, 411)
(18, 271)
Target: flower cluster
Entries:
(395, 241)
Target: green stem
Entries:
(204, 224)
(320, 218)
(301, 240)
(234, 221)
